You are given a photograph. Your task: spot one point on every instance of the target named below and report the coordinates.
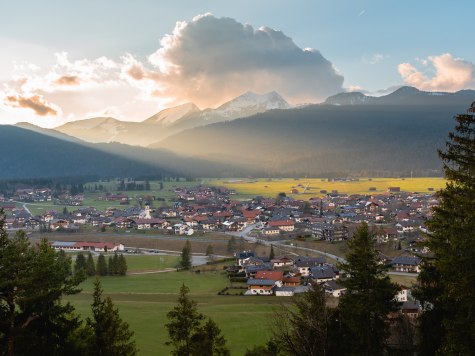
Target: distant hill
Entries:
(404, 96)
(34, 152)
(169, 121)
(29, 154)
(395, 134)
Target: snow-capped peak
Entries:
(173, 114)
(253, 102)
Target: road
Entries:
(280, 244)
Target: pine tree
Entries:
(446, 282)
(110, 266)
(368, 300)
(209, 250)
(33, 318)
(116, 267)
(101, 267)
(121, 265)
(302, 328)
(110, 335)
(80, 263)
(231, 248)
(90, 265)
(185, 260)
(184, 320)
(208, 341)
(272, 253)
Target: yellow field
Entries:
(311, 187)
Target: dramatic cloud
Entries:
(35, 103)
(450, 74)
(207, 61)
(211, 59)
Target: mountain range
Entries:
(170, 121)
(350, 133)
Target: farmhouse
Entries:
(406, 264)
(87, 246)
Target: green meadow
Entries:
(144, 300)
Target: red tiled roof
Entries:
(273, 275)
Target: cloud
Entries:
(209, 60)
(449, 74)
(34, 102)
(68, 80)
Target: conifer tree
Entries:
(209, 250)
(231, 248)
(90, 265)
(115, 262)
(368, 299)
(184, 320)
(208, 341)
(80, 263)
(110, 335)
(110, 266)
(446, 282)
(272, 253)
(185, 260)
(101, 267)
(121, 265)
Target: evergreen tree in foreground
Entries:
(110, 335)
(33, 318)
(368, 299)
(185, 261)
(447, 280)
(188, 336)
(121, 265)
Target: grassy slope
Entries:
(144, 300)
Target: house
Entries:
(284, 225)
(333, 288)
(406, 264)
(152, 223)
(276, 276)
(323, 274)
(284, 291)
(291, 281)
(282, 261)
(404, 294)
(271, 231)
(59, 224)
(303, 265)
(243, 257)
(260, 286)
(87, 246)
(410, 308)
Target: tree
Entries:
(446, 287)
(302, 328)
(90, 266)
(101, 266)
(368, 299)
(184, 320)
(109, 334)
(187, 335)
(80, 263)
(185, 260)
(270, 349)
(231, 247)
(209, 250)
(116, 266)
(33, 318)
(272, 253)
(110, 266)
(208, 341)
(121, 265)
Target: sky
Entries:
(67, 60)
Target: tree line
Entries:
(35, 319)
(115, 265)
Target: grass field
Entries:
(144, 300)
(246, 188)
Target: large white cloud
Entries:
(448, 74)
(209, 60)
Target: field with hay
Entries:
(306, 188)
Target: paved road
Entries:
(280, 244)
